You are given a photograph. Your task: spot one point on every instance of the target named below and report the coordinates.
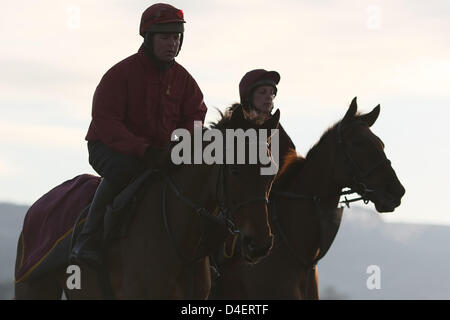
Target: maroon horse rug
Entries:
(49, 223)
(58, 216)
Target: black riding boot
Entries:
(88, 245)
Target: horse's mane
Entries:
(222, 123)
(294, 163)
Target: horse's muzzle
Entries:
(389, 200)
(253, 253)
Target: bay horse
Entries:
(303, 210)
(172, 232)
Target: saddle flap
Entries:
(123, 205)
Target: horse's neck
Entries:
(300, 218)
(177, 229)
(197, 182)
(316, 178)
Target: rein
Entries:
(225, 210)
(199, 211)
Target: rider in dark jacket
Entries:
(257, 89)
(136, 106)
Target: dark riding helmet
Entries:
(161, 18)
(253, 79)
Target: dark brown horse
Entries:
(165, 255)
(303, 210)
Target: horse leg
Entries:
(194, 282)
(314, 286)
(202, 278)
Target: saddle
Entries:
(53, 222)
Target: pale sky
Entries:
(394, 53)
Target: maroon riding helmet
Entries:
(161, 18)
(253, 79)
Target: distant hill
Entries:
(414, 260)
(11, 220)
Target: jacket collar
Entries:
(151, 63)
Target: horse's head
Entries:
(248, 189)
(362, 163)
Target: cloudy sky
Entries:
(394, 53)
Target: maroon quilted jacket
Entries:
(137, 104)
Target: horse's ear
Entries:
(371, 117)
(351, 111)
(272, 123)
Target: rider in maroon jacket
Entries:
(136, 106)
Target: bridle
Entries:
(358, 174)
(328, 220)
(225, 209)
